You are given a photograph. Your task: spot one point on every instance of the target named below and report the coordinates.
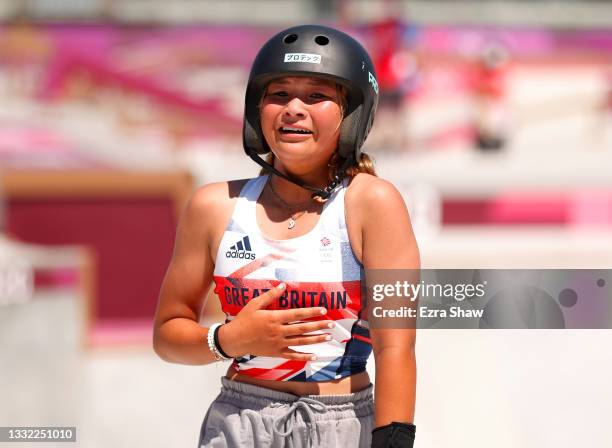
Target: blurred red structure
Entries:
(128, 220)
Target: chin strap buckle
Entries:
(324, 195)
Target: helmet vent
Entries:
(290, 38)
(321, 40)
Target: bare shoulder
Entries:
(367, 199)
(210, 197)
(210, 209)
(370, 192)
(380, 213)
(208, 206)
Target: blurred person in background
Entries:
(398, 71)
(491, 92)
(286, 251)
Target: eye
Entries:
(278, 93)
(319, 95)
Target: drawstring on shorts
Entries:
(307, 405)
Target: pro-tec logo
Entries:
(303, 57)
(242, 249)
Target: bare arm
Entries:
(177, 337)
(388, 243)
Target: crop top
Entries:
(318, 268)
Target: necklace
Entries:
(295, 216)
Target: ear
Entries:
(348, 132)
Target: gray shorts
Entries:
(244, 415)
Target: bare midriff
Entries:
(346, 385)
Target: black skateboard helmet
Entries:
(314, 50)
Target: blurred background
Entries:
(495, 122)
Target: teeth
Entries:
(289, 129)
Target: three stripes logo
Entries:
(242, 250)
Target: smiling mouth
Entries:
(288, 130)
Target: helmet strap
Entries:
(324, 194)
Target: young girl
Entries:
(286, 251)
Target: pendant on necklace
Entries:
(291, 223)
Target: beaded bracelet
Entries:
(211, 339)
(218, 344)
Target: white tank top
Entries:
(319, 269)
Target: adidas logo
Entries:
(242, 249)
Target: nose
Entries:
(295, 108)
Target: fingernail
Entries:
(328, 338)
(281, 286)
(313, 358)
(331, 325)
(323, 310)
